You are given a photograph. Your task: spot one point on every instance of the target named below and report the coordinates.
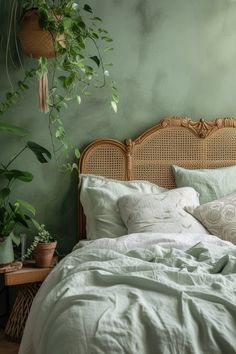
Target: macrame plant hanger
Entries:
(37, 43)
(43, 92)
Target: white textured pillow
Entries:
(161, 212)
(99, 198)
(219, 217)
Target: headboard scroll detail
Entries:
(174, 140)
(201, 128)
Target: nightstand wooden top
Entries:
(27, 274)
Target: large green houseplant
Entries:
(78, 45)
(15, 212)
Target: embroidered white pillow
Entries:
(99, 196)
(219, 217)
(161, 212)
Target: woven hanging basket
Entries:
(34, 41)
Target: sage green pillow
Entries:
(211, 184)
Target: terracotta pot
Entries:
(43, 254)
(34, 41)
(6, 251)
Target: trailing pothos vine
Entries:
(77, 68)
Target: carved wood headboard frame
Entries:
(175, 140)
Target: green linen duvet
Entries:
(139, 294)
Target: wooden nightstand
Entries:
(28, 279)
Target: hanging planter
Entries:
(68, 42)
(36, 42)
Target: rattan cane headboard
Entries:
(175, 140)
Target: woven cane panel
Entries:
(105, 160)
(221, 148)
(177, 143)
(153, 157)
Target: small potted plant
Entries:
(42, 247)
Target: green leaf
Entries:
(95, 35)
(114, 106)
(88, 8)
(67, 81)
(62, 80)
(67, 22)
(77, 153)
(96, 60)
(108, 49)
(69, 167)
(22, 86)
(60, 133)
(74, 167)
(26, 205)
(43, 18)
(102, 30)
(96, 18)
(15, 239)
(42, 154)
(13, 129)
(4, 193)
(78, 99)
(115, 98)
(17, 174)
(43, 61)
(10, 96)
(107, 39)
(20, 219)
(64, 104)
(89, 70)
(2, 212)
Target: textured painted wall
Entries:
(171, 58)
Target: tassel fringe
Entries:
(43, 93)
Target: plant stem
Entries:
(50, 115)
(15, 157)
(15, 38)
(101, 61)
(8, 42)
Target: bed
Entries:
(148, 274)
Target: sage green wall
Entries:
(172, 57)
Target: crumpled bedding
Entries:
(141, 293)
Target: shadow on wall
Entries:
(64, 223)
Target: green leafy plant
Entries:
(42, 236)
(77, 69)
(14, 212)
